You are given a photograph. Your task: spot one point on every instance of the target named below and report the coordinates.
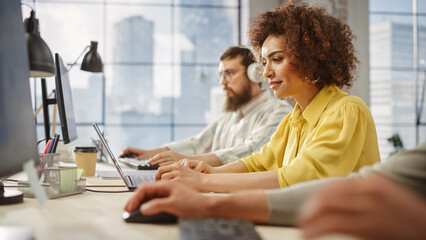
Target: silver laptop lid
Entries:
(114, 160)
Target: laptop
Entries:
(132, 181)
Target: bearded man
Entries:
(250, 116)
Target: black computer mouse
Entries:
(137, 217)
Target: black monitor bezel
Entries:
(69, 133)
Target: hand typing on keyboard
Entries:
(140, 164)
(141, 153)
(166, 158)
(129, 155)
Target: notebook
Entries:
(131, 181)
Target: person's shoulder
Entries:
(345, 104)
(281, 105)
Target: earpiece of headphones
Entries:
(254, 70)
(254, 73)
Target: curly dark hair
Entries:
(318, 45)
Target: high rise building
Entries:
(133, 45)
(209, 32)
(392, 82)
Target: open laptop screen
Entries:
(114, 160)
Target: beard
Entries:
(236, 100)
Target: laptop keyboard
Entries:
(140, 164)
(115, 174)
(139, 179)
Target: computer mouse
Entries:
(137, 217)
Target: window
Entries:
(396, 75)
(160, 60)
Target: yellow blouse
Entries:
(334, 136)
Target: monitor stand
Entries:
(10, 196)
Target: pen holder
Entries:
(49, 160)
(57, 182)
(63, 180)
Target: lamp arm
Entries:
(28, 5)
(81, 54)
(37, 111)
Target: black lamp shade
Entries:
(40, 56)
(92, 61)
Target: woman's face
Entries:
(282, 77)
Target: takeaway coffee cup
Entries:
(85, 158)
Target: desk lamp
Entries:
(40, 56)
(91, 62)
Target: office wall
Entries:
(358, 21)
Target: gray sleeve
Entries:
(284, 204)
(407, 168)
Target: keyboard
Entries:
(115, 174)
(137, 180)
(140, 164)
(216, 228)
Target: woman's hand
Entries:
(197, 165)
(179, 173)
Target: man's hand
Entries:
(181, 201)
(165, 196)
(166, 158)
(197, 165)
(142, 154)
(369, 208)
(178, 173)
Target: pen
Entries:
(47, 146)
(55, 145)
(46, 149)
(52, 144)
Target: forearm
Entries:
(209, 158)
(251, 206)
(235, 167)
(231, 182)
(284, 204)
(158, 150)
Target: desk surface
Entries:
(94, 215)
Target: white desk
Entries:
(96, 216)
(93, 215)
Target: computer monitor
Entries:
(64, 101)
(18, 142)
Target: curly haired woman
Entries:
(307, 55)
